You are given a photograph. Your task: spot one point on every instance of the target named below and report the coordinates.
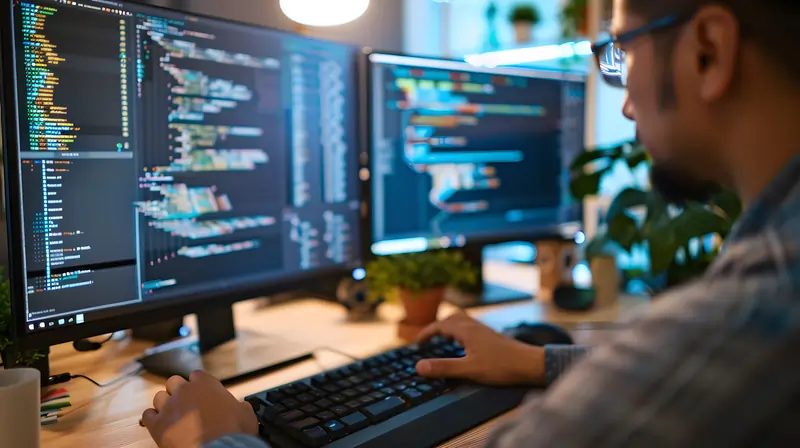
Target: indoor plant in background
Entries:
(524, 17)
(419, 281)
(575, 19)
(681, 240)
(11, 356)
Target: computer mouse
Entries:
(540, 334)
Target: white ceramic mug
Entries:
(20, 405)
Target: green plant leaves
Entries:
(624, 230)
(418, 272)
(628, 198)
(586, 185)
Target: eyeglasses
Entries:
(611, 58)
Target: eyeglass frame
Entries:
(656, 25)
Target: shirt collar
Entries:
(774, 200)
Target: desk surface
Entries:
(108, 418)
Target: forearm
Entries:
(237, 441)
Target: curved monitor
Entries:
(461, 154)
(157, 161)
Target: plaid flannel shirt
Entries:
(713, 364)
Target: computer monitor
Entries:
(160, 163)
(463, 156)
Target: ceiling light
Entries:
(323, 12)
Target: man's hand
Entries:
(195, 412)
(491, 358)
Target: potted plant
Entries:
(575, 19)
(10, 355)
(681, 239)
(524, 17)
(419, 281)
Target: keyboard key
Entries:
(341, 410)
(350, 393)
(387, 370)
(377, 395)
(304, 424)
(301, 387)
(355, 379)
(375, 385)
(426, 389)
(334, 375)
(344, 384)
(314, 437)
(382, 358)
(366, 376)
(276, 396)
(305, 398)
(318, 393)
(357, 367)
(372, 363)
(400, 387)
(397, 366)
(404, 351)
(412, 396)
(391, 356)
(364, 388)
(335, 429)
(290, 416)
(408, 363)
(291, 403)
(354, 405)
(288, 390)
(345, 371)
(366, 399)
(326, 415)
(355, 421)
(337, 398)
(324, 403)
(388, 390)
(376, 373)
(384, 409)
(331, 388)
(393, 378)
(319, 380)
(310, 409)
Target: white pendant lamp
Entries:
(323, 12)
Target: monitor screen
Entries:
(462, 154)
(166, 157)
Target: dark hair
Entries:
(771, 24)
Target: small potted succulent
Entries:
(419, 281)
(524, 17)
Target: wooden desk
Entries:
(108, 418)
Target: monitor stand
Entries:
(223, 352)
(483, 293)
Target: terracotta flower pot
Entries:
(421, 311)
(523, 32)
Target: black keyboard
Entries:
(379, 402)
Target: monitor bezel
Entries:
(140, 314)
(367, 105)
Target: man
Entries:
(712, 86)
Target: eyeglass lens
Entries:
(613, 66)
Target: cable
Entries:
(324, 368)
(340, 353)
(64, 377)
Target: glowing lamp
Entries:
(323, 12)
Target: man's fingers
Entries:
(449, 328)
(160, 400)
(443, 368)
(149, 417)
(175, 383)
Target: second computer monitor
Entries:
(464, 154)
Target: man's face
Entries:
(669, 122)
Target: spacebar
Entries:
(384, 409)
